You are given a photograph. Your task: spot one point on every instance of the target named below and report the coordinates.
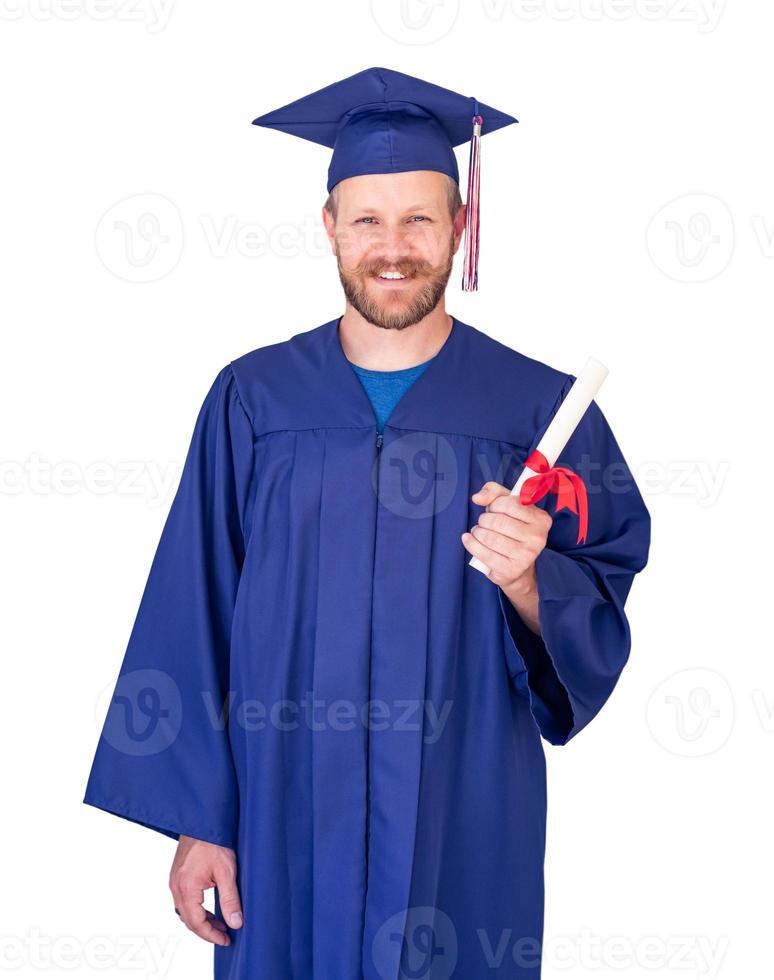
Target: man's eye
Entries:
(419, 217)
(364, 220)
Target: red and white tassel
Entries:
(473, 214)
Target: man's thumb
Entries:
(228, 897)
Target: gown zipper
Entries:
(379, 441)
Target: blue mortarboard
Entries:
(381, 121)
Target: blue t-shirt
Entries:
(386, 388)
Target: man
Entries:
(339, 718)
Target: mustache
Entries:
(405, 267)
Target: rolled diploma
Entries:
(562, 426)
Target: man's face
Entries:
(394, 240)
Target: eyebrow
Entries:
(411, 207)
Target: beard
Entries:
(396, 312)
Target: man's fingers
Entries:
(228, 895)
(497, 564)
(216, 923)
(204, 924)
(495, 541)
(499, 500)
(199, 865)
(513, 507)
(207, 927)
(490, 491)
(187, 894)
(189, 900)
(504, 524)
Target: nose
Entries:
(392, 242)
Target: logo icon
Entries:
(145, 713)
(691, 713)
(426, 940)
(415, 21)
(417, 474)
(691, 239)
(140, 239)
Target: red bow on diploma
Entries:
(569, 488)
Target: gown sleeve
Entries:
(164, 757)
(570, 670)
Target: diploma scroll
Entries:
(562, 426)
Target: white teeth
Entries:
(391, 275)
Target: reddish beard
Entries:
(393, 312)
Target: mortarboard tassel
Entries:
(473, 215)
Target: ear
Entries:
(459, 226)
(330, 227)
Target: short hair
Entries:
(453, 198)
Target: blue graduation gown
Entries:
(378, 767)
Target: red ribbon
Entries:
(569, 488)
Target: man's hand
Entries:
(198, 866)
(508, 538)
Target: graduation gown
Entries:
(318, 679)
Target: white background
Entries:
(630, 215)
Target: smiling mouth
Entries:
(391, 278)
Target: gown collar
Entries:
(431, 387)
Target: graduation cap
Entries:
(381, 121)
